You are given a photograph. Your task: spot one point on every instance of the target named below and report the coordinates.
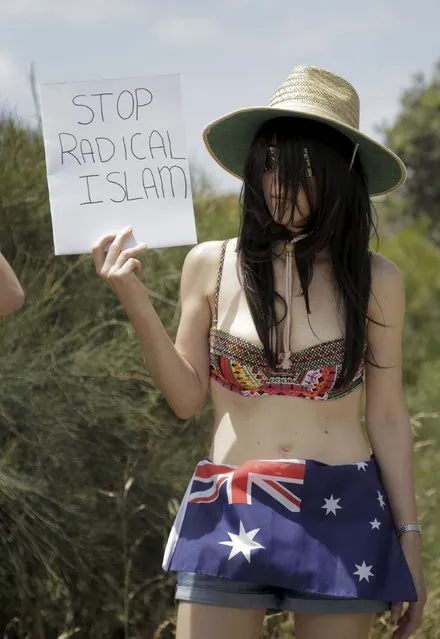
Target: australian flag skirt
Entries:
(295, 524)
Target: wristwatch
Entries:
(409, 528)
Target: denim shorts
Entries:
(218, 591)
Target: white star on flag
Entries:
(364, 572)
(381, 500)
(375, 525)
(331, 505)
(243, 542)
(362, 466)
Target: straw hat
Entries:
(314, 94)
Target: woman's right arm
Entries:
(180, 370)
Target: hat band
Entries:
(312, 109)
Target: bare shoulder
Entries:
(204, 254)
(384, 273)
(387, 283)
(201, 266)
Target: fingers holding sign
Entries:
(118, 266)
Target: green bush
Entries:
(93, 462)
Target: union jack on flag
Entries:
(270, 476)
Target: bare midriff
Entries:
(286, 428)
(276, 426)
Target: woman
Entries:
(283, 325)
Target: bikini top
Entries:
(241, 366)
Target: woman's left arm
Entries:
(388, 423)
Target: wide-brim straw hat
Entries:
(315, 94)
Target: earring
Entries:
(309, 172)
(353, 156)
(271, 158)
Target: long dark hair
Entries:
(340, 221)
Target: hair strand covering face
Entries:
(340, 222)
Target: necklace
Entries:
(288, 279)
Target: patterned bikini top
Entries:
(241, 366)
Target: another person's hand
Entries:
(11, 293)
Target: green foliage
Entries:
(93, 463)
(415, 136)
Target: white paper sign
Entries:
(115, 156)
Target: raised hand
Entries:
(118, 267)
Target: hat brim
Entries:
(229, 138)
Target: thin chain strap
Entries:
(217, 286)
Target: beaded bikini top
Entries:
(241, 366)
